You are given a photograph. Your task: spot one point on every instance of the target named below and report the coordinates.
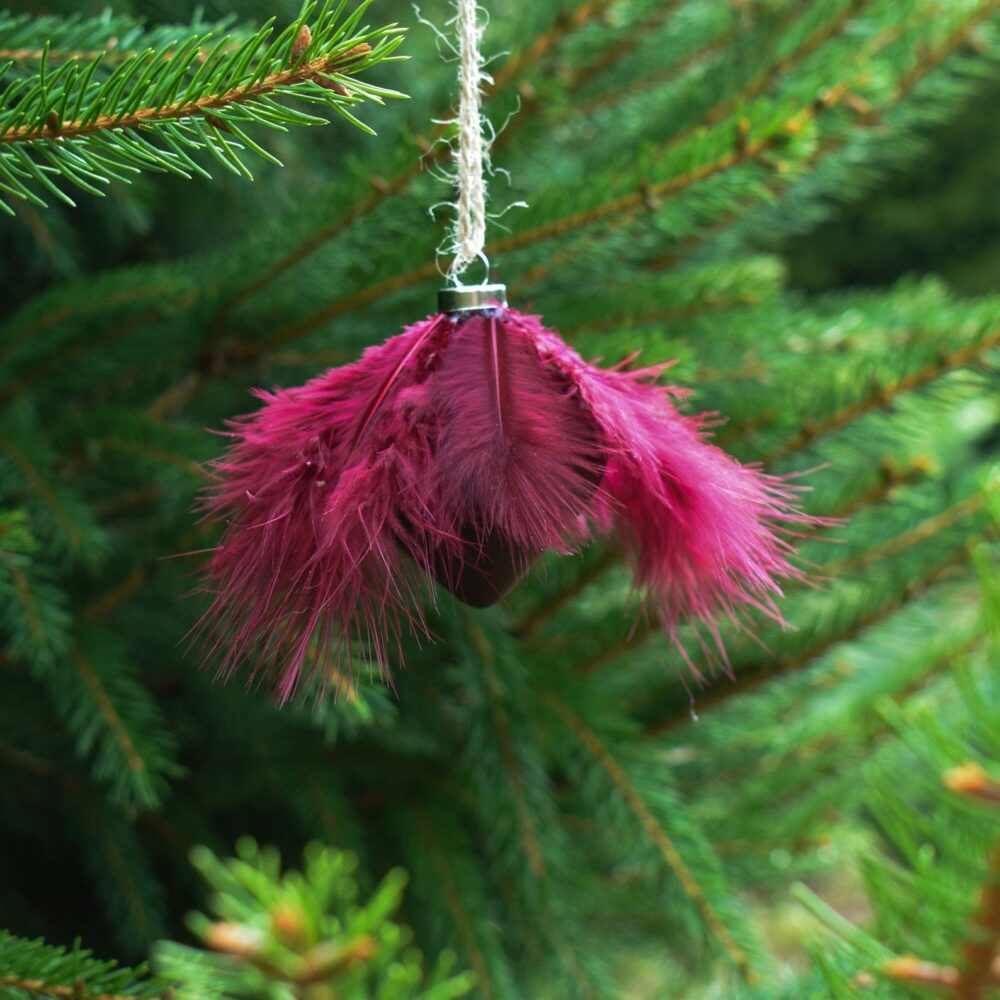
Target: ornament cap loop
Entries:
(471, 298)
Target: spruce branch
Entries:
(68, 122)
(927, 62)
(872, 119)
(972, 780)
(566, 22)
(32, 968)
(883, 396)
(780, 67)
(433, 152)
(618, 210)
(310, 72)
(664, 73)
(452, 891)
(44, 988)
(107, 709)
(78, 307)
(38, 484)
(910, 539)
(27, 39)
(664, 845)
(501, 720)
(766, 670)
(613, 54)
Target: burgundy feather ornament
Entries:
(461, 450)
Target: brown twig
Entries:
(918, 972)
(979, 952)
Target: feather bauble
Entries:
(461, 450)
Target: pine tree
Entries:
(580, 815)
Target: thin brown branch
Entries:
(531, 103)
(315, 70)
(908, 539)
(162, 455)
(662, 75)
(64, 55)
(26, 597)
(875, 725)
(565, 23)
(107, 709)
(529, 835)
(530, 625)
(81, 304)
(646, 194)
(919, 534)
(710, 303)
(657, 835)
(110, 53)
(118, 867)
(535, 620)
(38, 766)
(41, 489)
(454, 902)
(891, 476)
(115, 597)
(60, 359)
(613, 54)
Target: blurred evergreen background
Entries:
(536, 761)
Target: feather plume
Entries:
(461, 450)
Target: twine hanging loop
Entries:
(472, 153)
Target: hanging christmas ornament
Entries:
(460, 451)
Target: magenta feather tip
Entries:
(461, 450)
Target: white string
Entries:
(472, 154)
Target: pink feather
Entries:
(516, 452)
(461, 449)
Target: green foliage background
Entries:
(809, 225)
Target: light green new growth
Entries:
(272, 935)
(300, 936)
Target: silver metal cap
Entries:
(471, 298)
